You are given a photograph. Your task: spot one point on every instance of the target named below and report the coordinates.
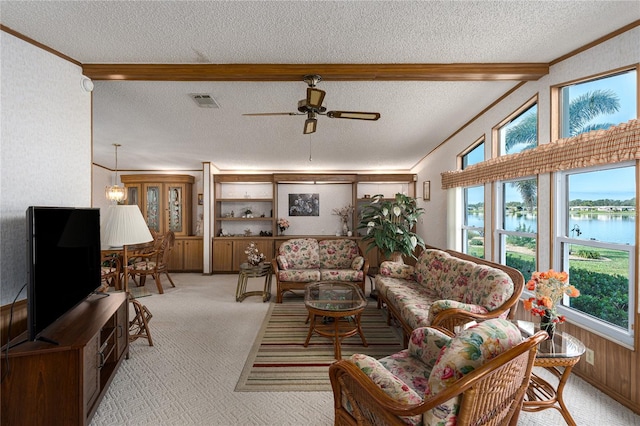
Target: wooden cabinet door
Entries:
(193, 255)
(122, 329)
(153, 206)
(91, 369)
(176, 258)
(223, 256)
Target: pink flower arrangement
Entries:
(283, 224)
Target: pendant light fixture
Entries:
(115, 193)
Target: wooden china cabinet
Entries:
(166, 204)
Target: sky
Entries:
(614, 184)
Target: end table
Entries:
(563, 350)
(254, 271)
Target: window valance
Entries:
(614, 145)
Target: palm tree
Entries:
(582, 111)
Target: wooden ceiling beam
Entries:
(334, 72)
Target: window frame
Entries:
(501, 234)
(495, 131)
(560, 248)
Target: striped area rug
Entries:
(278, 360)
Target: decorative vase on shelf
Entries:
(547, 324)
(345, 227)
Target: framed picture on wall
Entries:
(304, 204)
(426, 190)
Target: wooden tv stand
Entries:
(64, 383)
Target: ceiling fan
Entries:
(312, 107)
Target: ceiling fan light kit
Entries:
(311, 106)
(310, 125)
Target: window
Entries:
(597, 103)
(473, 206)
(473, 221)
(474, 155)
(519, 132)
(596, 245)
(518, 225)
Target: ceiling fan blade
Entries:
(274, 113)
(353, 115)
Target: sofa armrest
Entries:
(397, 270)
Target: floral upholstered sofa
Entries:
(301, 261)
(447, 289)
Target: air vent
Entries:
(204, 100)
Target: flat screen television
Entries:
(63, 262)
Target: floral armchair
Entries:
(478, 376)
(301, 261)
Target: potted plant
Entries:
(389, 226)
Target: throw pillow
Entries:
(357, 263)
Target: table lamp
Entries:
(123, 225)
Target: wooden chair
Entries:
(152, 260)
(110, 266)
(491, 394)
(168, 240)
(139, 323)
(144, 262)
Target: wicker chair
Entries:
(109, 272)
(373, 392)
(168, 240)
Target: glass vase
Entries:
(547, 324)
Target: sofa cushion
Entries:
(491, 287)
(389, 383)
(337, 254)
(464, 353)
(301, 253)
(397, 270)
(299, 275)
(283, 263)
(341, 275)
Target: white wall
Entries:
(621, 51)
(45, 148)
(331, 196)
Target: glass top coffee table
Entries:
(334, 309)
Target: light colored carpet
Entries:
(279, 361)
(202, 338)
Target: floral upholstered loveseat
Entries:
(301, 261)
(447, 289)
(478, 376)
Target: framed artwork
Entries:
(304, 204)
(200, 200)
(426, 190)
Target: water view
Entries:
(612, 228)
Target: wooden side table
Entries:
(563, 351)
(250, 271)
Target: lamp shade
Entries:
(123, 225)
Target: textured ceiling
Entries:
(160, 127)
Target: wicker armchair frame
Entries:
(491, 395)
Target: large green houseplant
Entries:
(389, 225)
